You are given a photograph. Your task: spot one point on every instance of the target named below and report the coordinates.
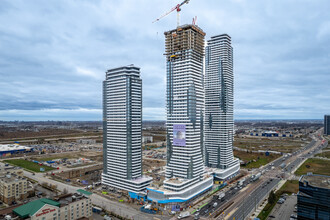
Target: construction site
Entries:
(182, 39)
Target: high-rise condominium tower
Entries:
(184, 51)
(327, 124)
(122, 130)
(219, 102)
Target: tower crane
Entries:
(177, 8)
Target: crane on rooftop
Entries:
(177, 8)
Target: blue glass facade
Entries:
(314, 197)
(327, 124)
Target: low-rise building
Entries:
(4, 169)
(12, 187)
(147, 139)
(9, 149)
(313, 197)
(65, 207)
(86, 141)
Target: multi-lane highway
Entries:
(251, 202)
(240, 202)
(292, 161)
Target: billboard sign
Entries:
(179, 135)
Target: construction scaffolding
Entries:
(182, 39)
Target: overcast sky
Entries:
(54, 54)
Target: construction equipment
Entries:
(194, 21)
(177, 8)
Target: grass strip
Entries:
(29, 165)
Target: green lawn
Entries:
(316, 166)
(260, 162)
(286, 145)
(324, 154)
(260, 158)
(28, 165)
(289, 187)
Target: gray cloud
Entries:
(53, 56)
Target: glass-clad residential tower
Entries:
(122, 130)
(219, 107)
(327, 124)
(185, 173)
(184, 51)
(184, 66)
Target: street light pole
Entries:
(255, 203)
(243, 209)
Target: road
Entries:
(274, 171)
(251, 202)
(48, 138)
(118, 208)
(232, 194)
(242, 200)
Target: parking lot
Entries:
(284, 210)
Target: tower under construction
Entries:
(185, 174)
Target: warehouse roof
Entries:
(13, 147)
(31, 208)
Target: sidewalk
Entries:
(263, 204)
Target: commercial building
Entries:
(13, 187)
(147, 139)
(122, 130)
(219, 108)
(86, 141)
(185, 173)
(327, 124)
(9, 149)
(313, 197)
(65, 207)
